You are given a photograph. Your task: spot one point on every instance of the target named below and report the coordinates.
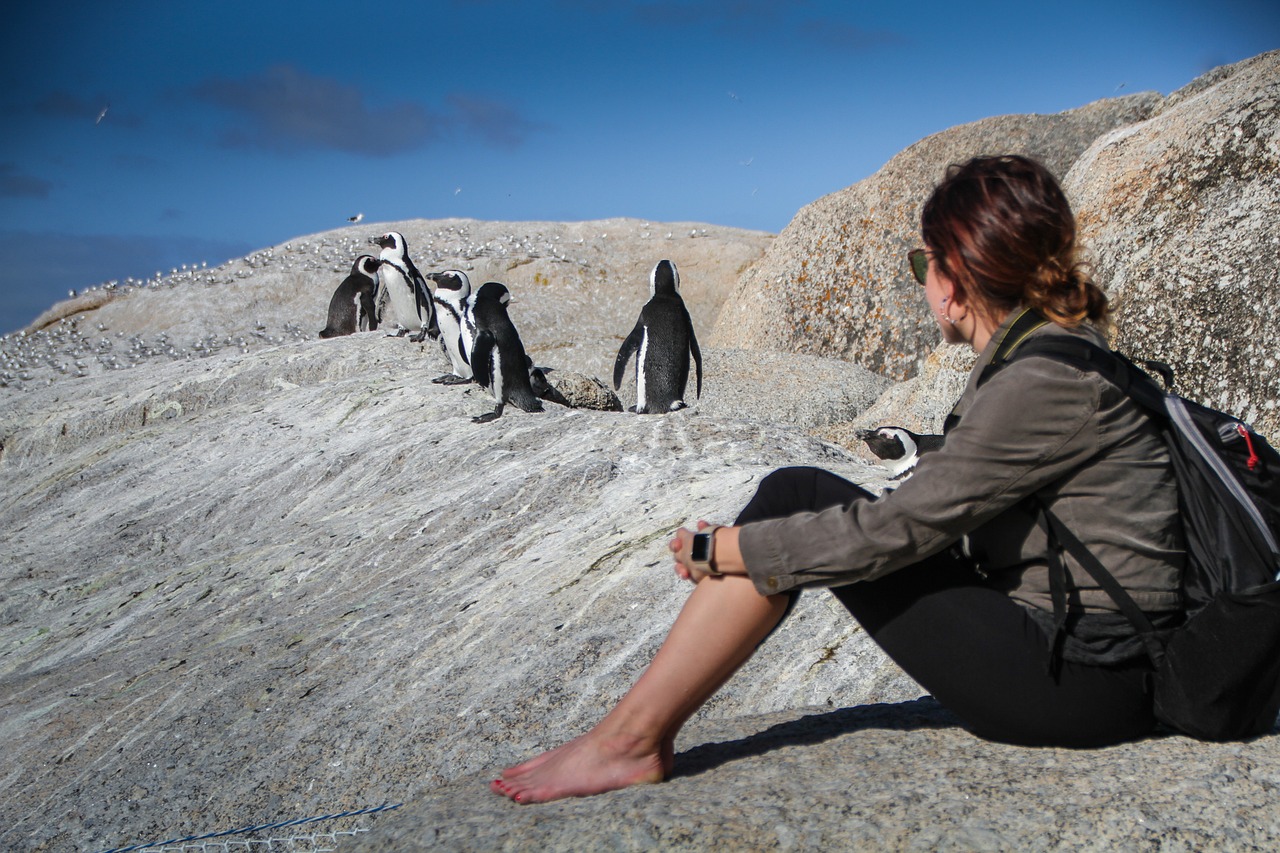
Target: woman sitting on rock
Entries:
(949, 573)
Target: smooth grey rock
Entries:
(897, 776)
(300, 580)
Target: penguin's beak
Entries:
(864, 434)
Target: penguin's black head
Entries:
(886, 442)
(454, 281)
(665, 279)
(495, 291)
(366, 265)
(390, 240)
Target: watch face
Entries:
(701, 550)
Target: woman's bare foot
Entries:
(591, 764)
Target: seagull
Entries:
(102, 114)
(355, 218)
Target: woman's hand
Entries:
(726, 557)
(681, 546)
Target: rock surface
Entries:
(300, 580)
(835, 283)
(1182, 213)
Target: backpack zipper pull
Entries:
(1253, 454)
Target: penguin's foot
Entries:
(450, 379)
(418, 338)
(488, 417)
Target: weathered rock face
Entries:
(1182, 214)
(298, 580)
(835, 282)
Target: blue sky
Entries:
(235, 125)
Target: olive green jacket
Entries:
(1038, 426)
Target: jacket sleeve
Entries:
(1029, 425)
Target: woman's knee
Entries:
(798, 488)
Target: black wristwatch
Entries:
(703, 552)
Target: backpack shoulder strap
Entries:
(1084, 355)
(1142, 389)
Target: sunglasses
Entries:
(919, 260)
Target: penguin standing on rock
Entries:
(457, 331)
(498, 359)
(661, 341)
(898, 448)
(352, 308)
(404, 299)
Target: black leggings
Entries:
(975, 649)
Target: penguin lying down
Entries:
(898, 448)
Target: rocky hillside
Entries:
(1178, 200)
(251, 576)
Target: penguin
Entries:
(661, 340)
(352, 307)
(899, 449)
(457, 328)
(498, 358)
(403, 296)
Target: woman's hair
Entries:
(1001, 229)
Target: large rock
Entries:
(285, 582)
(835, 282)
(1182, 214)
(897, 776)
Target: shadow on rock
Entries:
(918, 714)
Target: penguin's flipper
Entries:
(423, 297)
(697, 354)
(482, 358)
(368, 321)
(629, 347)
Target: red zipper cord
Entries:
(1253, 454)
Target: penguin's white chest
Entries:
(404, 306)
(640, 372)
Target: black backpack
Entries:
(1217, 676)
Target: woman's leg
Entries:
(983, 657)
(718, 628)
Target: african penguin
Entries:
(457, 331)
(352, 308)
(661, 341)
(898, 448)
(498, 358)
(404, 300)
